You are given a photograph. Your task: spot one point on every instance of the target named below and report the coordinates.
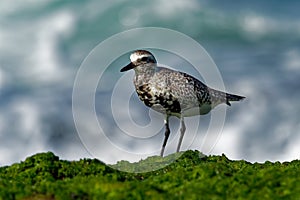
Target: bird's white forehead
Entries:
(134, 57)
(138, 55)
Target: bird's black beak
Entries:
(127, 67)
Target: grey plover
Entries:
(173, 93)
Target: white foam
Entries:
(292, 60)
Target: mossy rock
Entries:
(190, 175)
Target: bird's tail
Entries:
(233, 97)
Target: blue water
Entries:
(256, 46)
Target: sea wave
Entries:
(42, 45)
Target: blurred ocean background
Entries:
(255, 44)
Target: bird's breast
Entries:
(158, 99)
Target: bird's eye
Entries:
(144, 59)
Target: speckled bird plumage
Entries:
(171, 92)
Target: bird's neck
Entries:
(145, 69)
(144, 73)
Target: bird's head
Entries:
(140, 59)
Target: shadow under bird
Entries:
(173, 93)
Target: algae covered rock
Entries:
(190, 175)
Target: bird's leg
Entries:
(167, 133)
(182, 130)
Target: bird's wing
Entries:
(188, 90)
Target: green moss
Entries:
(190, 175)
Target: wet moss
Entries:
(191, 176)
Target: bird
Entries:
(173, 93)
